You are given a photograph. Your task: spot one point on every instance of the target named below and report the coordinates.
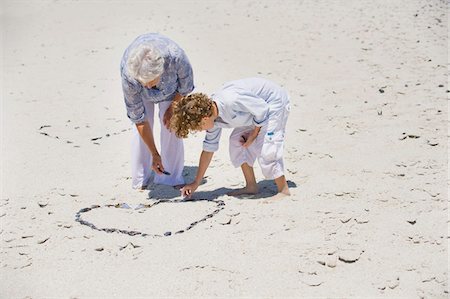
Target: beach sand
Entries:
(365, 153)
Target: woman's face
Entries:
(153, 83)
(207, 123)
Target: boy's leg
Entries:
(271, 158)
(282, 185)
(244, 157)
(250, 182)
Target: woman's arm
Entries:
(146, 133)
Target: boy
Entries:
(257, 109)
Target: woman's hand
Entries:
(189, 189)
(157, 164)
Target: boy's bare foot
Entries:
(244, 191)
(285, 191)
(277, 197)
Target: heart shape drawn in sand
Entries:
(220, 204)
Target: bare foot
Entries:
(277, 197)
(244, 191)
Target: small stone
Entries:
(42, 204)
(345, 219)
(99, 249)
(322, 262)
(167, 234)
(413, 136)
(411, 221)
(42, 241)
(382, 287)
(129, 246)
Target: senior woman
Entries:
(155, 71)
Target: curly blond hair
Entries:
(188, 113)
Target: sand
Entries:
(366, 153)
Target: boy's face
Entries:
(207, 123)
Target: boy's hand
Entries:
(248, 141)
(189, 189)
(167, 116)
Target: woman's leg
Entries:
(172, 153)
(141, 159)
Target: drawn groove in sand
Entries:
(94, 140)
(219, 206)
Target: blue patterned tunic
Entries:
(176, 78)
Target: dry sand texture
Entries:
(366, 153)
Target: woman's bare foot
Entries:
(244, 191)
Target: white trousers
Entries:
(172, 153)
(267, 148)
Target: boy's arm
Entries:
(251, 137)
(205, 159)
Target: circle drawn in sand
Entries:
(219, 206)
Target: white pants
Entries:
(172, 153)
(267, 148)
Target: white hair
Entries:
(145, 63)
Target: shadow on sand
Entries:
(267, 188)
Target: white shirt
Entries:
(241, 103)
